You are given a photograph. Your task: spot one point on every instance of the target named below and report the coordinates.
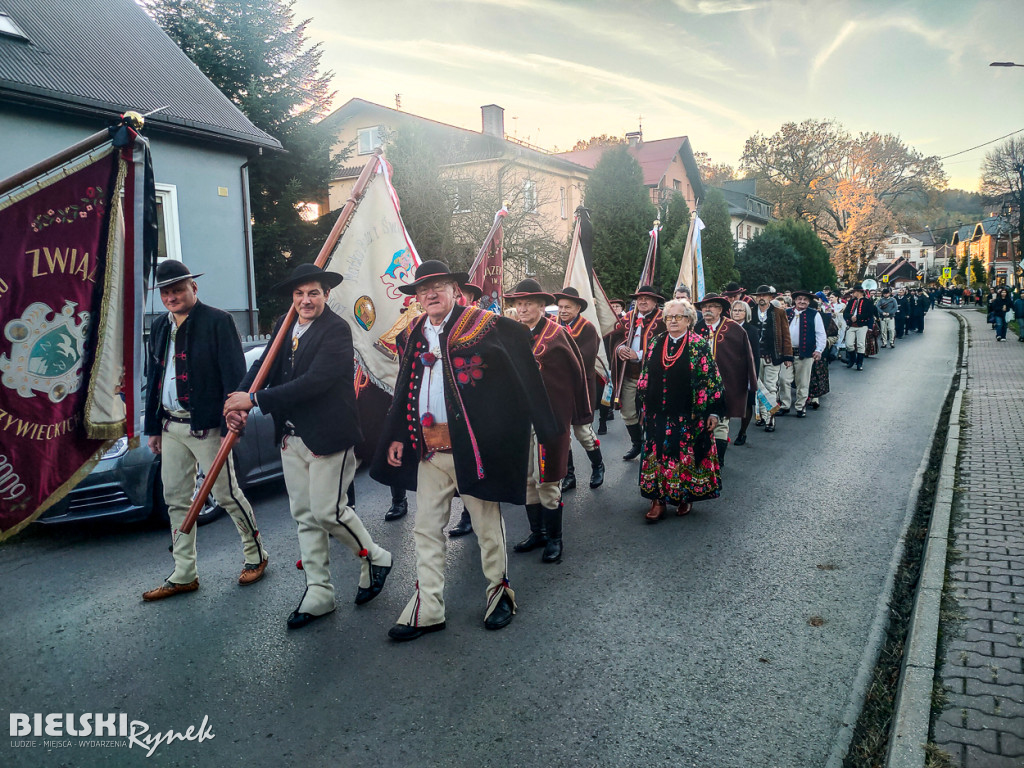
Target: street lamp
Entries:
(1005, 64)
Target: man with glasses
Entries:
(467, 393)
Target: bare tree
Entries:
(1002, 176)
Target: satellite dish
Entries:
(870, 285)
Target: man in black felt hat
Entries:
(311, 396)
(588, 340)
(859, 314)
(467, 392)
(643, 323)
(195, 360)
(807, 333)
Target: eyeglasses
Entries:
(671, 318)
(435, 287)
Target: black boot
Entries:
(399, 504)
(464, 526)
(636, 434)
(723, 446)
(602, 425)
(596, 466)
(537, 537)
(850, 359)
(569, 481)
(860, 361)
(553, 526)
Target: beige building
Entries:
(668, 166)
(483, 169)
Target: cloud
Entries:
(715, 7)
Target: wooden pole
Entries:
(645, 274)
(275, 346)
(572, 252)
(55, 161)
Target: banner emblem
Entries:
(364, 312)
(46, 355)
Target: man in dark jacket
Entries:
(564, 374)
(195, 360)
(309, 392)
(775, 349)
(860, 316)
(468, 389)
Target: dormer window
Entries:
(8, 28)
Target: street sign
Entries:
(947, 272)
(885, 278)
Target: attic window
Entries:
(8, 28)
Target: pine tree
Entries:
(769, 259)
(816, 269)
(622, 214)
(717, 245)
(260, 58)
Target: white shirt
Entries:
(169, 390)
(638, 334)
(820, 339)
(432, 392)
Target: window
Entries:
(677, 185)
(563, 202)
(906, 255)
(529, 196)
(463, 196)
(748, 231)
(924, 253)
(890, 255)
(9, 28)
(168, 244)
(369, 139)
(904, 240)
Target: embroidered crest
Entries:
(399, 272)
(46, 355)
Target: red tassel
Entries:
(298, 564)
(363, 553)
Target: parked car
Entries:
(125, 484)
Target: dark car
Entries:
(125, 484)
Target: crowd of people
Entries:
(486, 407)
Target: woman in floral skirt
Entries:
(681, 394)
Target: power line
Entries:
(963, 151)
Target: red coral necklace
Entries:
(668, 360)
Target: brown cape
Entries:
(735, 363)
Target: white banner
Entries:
(375, 255)
(578, 279)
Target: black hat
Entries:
(887, 290)
(172, 271)
(765, 290)
(858, 287)
(430, 270)
(530, 289)
(573, 295)
(713, 298)
(647, 290)
(471, 291)
(808, 294)
(733, 289)
(307, 273)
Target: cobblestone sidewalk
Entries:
(982, 725)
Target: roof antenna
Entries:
(398, 101)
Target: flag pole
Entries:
(572, 251)
(275, 346)
(647, 273)
(487, 240)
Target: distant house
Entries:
(915, 249)
(480, 165)
(990, 241)
(748, 213)
(668, 166)
(70, 67)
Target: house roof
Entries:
(465, 146)
(901, 268)
(739, 204)
(102, 58)
(654, 158)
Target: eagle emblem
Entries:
(47, 355)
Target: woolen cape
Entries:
(562, 368)
(493, 392)
(588, 341)
(735, 363)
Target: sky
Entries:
(717, 71)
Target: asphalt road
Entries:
(685, 643)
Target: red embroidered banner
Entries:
(60, 293)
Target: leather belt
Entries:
(177, 419)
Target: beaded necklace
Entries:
(667, 360)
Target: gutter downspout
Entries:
(250, 281)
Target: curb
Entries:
(913, 714)
(876, 636)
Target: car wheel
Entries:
(211, 510)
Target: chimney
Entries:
(635, 138)
(493, 120)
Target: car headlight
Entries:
(120, 448)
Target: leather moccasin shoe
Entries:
(800, 413)
(684, 509)
(403, 632)
(378, 575)
(299, 620)
(252, 572)
(501, 616)
(741, 439)
(170, 589)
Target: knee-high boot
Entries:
(537, 537)
(860, 361)
(603, 414)
(596, 466)
(553, 526)
(636, 434)
(569, 481)
(723, 446)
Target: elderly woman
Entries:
(740, 313)
(681, 395)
